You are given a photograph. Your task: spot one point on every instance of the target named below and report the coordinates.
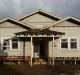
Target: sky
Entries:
(18, 8)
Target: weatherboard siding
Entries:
(8, 29)
(27, 48)
(55, 48)
(38, 21)
(73, 31)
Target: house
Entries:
(40, 36)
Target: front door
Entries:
(36, 50)
(41, 48)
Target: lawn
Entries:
(24, 69)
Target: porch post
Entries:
(53, 52)
(31, 50)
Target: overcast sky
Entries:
(17, 8)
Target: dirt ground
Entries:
(24, 69)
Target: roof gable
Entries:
(69, 19)
(16, 23)
(47, 14)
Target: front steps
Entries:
(40, 61)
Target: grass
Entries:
(24, 69)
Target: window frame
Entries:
(2, 42)
(69, 43)
(10, 41)
(18, 44)
(77, 43)
(60, 44)
(64, 41)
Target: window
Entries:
(73, 43)
(14, 43)
(64, 43)
(6, 44)
(9, 44)
(69, 44)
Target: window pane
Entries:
(14, 43)
(6, 42)
(64, 43)
(64, 40)
(6, 48)
(14, 40)
(73, 45)
(6, 45)
(73, 40)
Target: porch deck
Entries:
(25, 59)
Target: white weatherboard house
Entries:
(40, 35)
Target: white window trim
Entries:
(60, 43)
(11, 45)
(69, 43)
(10, 41)
(77, 42)
(2, 38)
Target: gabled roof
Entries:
(16, 22)
(43, 13)
(69, 18)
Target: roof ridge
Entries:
(8, 18)
(39, 10)
(66, 18)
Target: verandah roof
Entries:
(41, 32)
